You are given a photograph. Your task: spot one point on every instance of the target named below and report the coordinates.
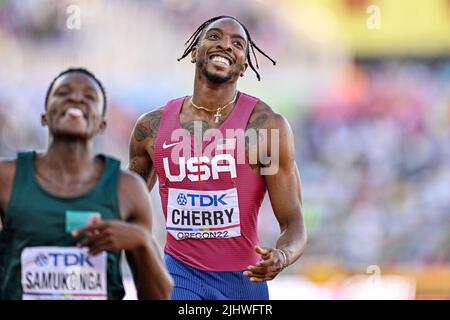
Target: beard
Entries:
(217, 78)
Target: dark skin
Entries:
(68, 168)
(227, 39)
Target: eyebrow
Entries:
(85, 88)
(235, 35)
(63, 86)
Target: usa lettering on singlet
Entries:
(53, 273)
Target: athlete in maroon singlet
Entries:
(210, 194)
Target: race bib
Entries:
(56, 273)
(193, 214)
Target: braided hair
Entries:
(195, 37)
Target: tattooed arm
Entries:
(142, 146)
(277, 165)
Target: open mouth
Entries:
(220, 59)
(74, 112)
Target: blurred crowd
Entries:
(372, 142)
(374, 154)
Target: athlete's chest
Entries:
(190, 119)
(205, 155)
(68, 184)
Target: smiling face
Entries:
(75, 107)
(221, 53)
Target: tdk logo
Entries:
(202, 200)
(41, 260)
(63, 259)
(181, 199)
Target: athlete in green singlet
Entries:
(67, 214)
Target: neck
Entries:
(212, 95)
(72, 156)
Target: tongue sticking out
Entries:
(74, 112)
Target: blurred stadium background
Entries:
(369, 106)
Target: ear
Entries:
(244, 68)
(194, 54)
(102, 127)
(44, 121)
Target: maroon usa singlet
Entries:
(210, 194)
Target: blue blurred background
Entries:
(365, 85)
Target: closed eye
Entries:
(90, 97)
(62, 93)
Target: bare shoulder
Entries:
(147, 124)
(133, 196)
(130, 183)
(155, 113)
(264, 117)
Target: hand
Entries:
(269, 268)
(111, 235)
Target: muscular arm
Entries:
(277, 165)
(142, 146)
(149, 272)
(285, 194)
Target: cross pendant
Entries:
(217, 115)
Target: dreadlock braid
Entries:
(195, 37)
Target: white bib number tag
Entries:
(193, 214)
(55, 273)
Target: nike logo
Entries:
(165, 146)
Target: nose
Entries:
(76, 95)
(225, 44)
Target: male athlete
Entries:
(67, 214)
(211, 199)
